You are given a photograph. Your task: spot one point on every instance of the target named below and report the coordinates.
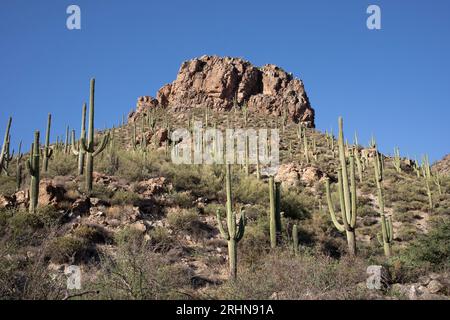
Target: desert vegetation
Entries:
(142, 227)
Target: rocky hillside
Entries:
(221, 83)
(148, 228)
(443, 166)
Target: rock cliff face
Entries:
(443, 166)
(217, 82)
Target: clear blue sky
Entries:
(393, 83)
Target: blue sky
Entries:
(392, 82)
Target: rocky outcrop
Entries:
(50, 194)
(217, 82)
(443, 166)
(293, 175)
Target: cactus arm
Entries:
(102, 145)
(74, 147)
(339, 226)
(345, 177)
(241, 227)
(5, 141)
(224, 234)
(353, 192)
(83, 145)
(29, 168)
(342, 201)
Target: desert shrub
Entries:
(160, 239)
(302, 277)
(128, 235)
(201, 181)
(49, 216)
(122, 197)
(23, 227)
(296, 205)
(102, 192)
(91, 233)
(251, 191)
(62, 165)
(211, 208)
(182, 219)
(430, 251)
(7, 185)
(28, 279)
(139, 274)
(69, 249)
(181, 199)
(406, 233)
(255, 243)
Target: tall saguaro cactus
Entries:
(88, 147)
(33, 169)
(47, 153)
(235, 230)
(275, 216)
(387, 231)
(78, 151)
(397, 160)
(5, 151)
(272, 217)
(19, 167)
(295, 239)
(347, 194)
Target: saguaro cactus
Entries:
(47, 152)
(77, 150)
(305, 146)
(5, 151)
(272, 217)
(347, 195)
(235, 230)
(19, 167)
(387, 230)
(7, 158)
(437, 182)
(33, 169)
(275, 216)
(295, 238)
(430, 196)
(397, 160)
(88, 147)
(359, 165)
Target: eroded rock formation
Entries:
(220, 82)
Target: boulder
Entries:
(292, 175)
(50, 194)
(151, 187)
(378, 277)
(21, 199)
(161, 136)
(81, 206)
(434, 287)
(7, 202)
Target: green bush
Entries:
(7, 185)
(122, 197)
(182, 219)
(430, 251)
(139, 274)
(69, 249)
